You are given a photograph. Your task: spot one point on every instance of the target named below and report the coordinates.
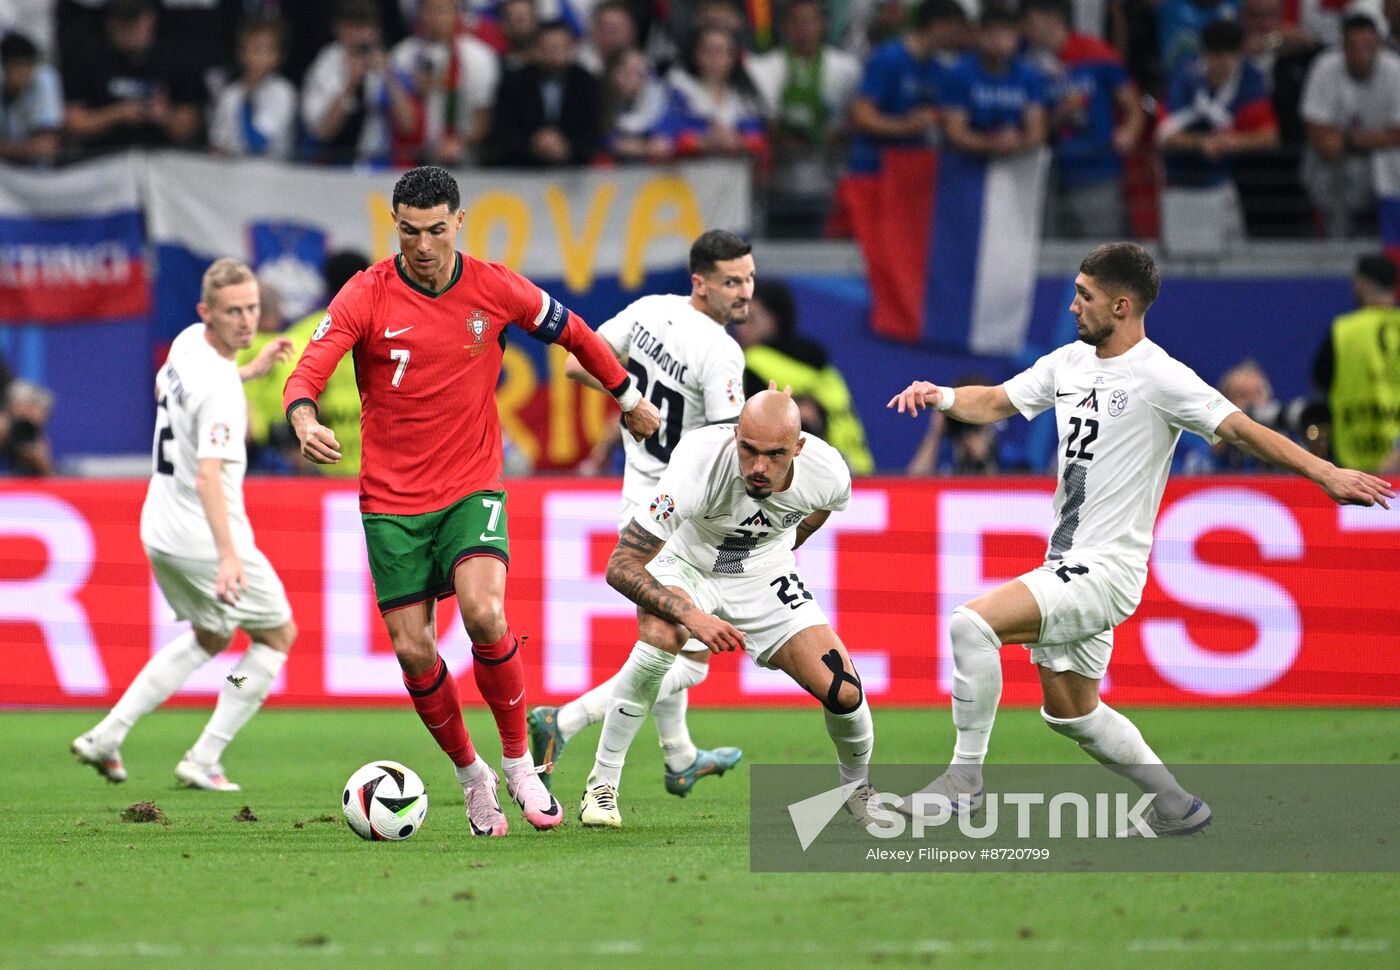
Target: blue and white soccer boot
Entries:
(546, 743)
(714, 762)
(1195, 819)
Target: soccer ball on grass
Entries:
(385, 802)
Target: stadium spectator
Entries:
(31, 104)
(128, 91)
(1181, 26)
(279, 450)
(1358, 367)
(1097, 118)
(257, 113)
(993, 99)
(611, 30)
(715, 107)
(24, 440)
(775, 351)
(1218, 108)
(547, 113)
(449, 80)
(635, 106)
(806, 87)
(1248, 388)
(519, 24)
(1351, 105)
(345, 96)
(894, 105)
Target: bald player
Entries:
(710, 558)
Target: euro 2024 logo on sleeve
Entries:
(322, 327)
(218, 434)
(661, 507)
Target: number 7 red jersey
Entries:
(427, 365)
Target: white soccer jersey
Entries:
(202, 414)
(707, 519)
(684, 363)
(1119, 420)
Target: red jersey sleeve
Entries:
(549, 321)
(340, 329)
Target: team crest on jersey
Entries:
(758, 518)
(477, 325)
(1117, 403)
(218, 434)
(791, 519)
(322, 327)
(661, 507)
(734, 391)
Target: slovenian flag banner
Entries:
(950, 243)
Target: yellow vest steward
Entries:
(339, 406)
(1365, 396)
(844, 432)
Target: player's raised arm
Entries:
(970, 405)
(1344, 486)
(627, 573)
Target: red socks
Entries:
(500, 676)
(435, 697)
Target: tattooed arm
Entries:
(627, 573)
(811, 524)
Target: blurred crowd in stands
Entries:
(1278, 118)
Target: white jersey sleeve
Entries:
(1033, 390)
(617, 333)
(682, 491)
(1183, 399)
(722, 381)
(220, 422)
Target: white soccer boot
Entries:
(192, 774)
(599, 808)
(107, 760)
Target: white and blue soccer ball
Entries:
(385, 802)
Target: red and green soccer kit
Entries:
(427, 365)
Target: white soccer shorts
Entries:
(1080, 604)
(769, 608)
(188, 585)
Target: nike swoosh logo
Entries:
(860, 754)
(627, 713)
(518, 698)
(720, 516)
(391, 334)
(1064, 393)
(486, 538)
(434, 727)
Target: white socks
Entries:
(669, 711)
(854, 737)
(162, 676)
(976, 688)
(466, 774)
(238, 703)
(1114, 741)
(634, 692)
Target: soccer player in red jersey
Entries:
(427, 328)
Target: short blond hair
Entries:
(221, 273)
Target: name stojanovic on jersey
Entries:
(684, 363)
(701, 509)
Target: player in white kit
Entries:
(197, 537)
(709, 557)
(1120, 405)
(683, 359)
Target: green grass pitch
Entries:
(83, 889)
